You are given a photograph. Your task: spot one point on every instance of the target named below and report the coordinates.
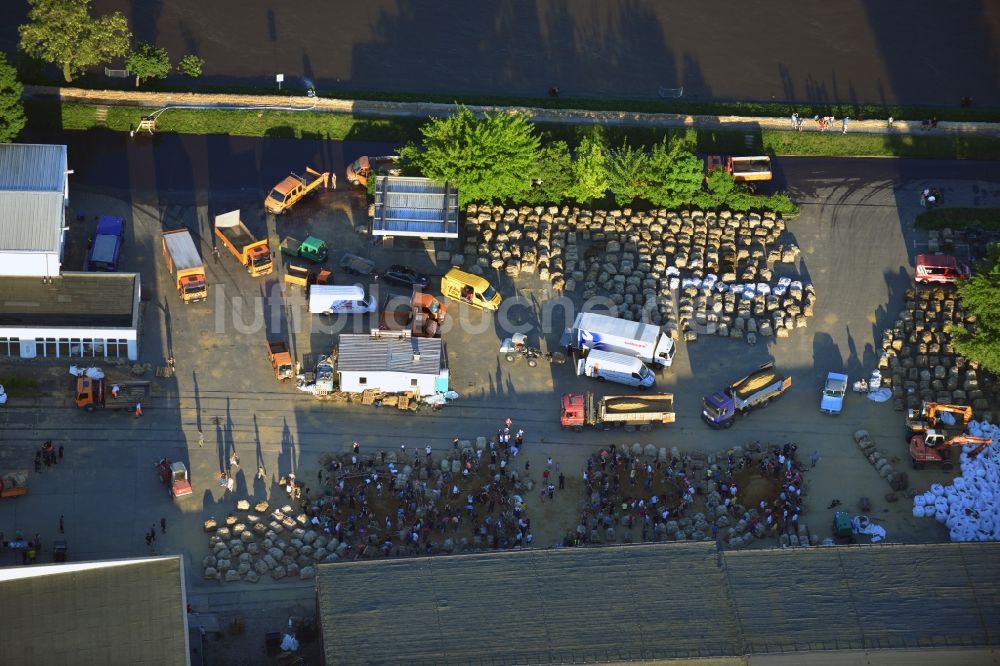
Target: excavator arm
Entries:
(979, 442)
(935, 409)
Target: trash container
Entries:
(59, 551)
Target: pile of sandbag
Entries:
(968, 507)
(897, 479)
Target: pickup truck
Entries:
(281, 360)
(106, 247)
(288, 192)
(311, 249)
(757, 389)
(253, 254)
(631, 412)
(939, 269)
(94, 394)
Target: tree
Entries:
(981, 342)
(489, 159)
(590, 169)
(676, 175)
(12, 119)
(628, 173)
(147, 61)
(552, 177)
(64, 33)
(191, 65)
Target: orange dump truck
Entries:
(288, 192)
(185, 264)
(253, 254)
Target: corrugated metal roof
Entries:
(116, 612)
(31, 221)
(73, 299)
(26, 167)
(653, 602)
(363, 353)
(407, 206)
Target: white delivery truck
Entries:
(611, 366)
(340, 299)
(592, 331)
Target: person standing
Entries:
(844, 123)
(60, 452)
(814, 459)
(562, 481)
(163, 525)
(795, 121)
(138, 409)
(260, 472)
(201, 438)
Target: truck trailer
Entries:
(631, 412)
(755, 390)
(185, 264)
(593, 331)
(253, 254)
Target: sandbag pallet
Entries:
(897, 480)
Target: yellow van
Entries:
(470, 289)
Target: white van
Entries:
(605, 365)
(340, 299)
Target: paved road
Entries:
(912, 52)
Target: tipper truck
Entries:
(94, 394)
(742, 169)
(184, 263)
(288, 192)
(631, 412)
(281, 360)
(253, 254)
(755, 390)
(592, 331)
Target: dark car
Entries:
(404, 277)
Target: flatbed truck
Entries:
(630, 412)
(94, 394)
(289, 191)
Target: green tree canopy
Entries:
(675, 175)
(191, 65)
(981, 297)
(552, 177)
(147, 61)
(590, 170)
(64, 33)
(12, 117)
(628, 173)
(490, 159)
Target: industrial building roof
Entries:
(653, 603)
(32, 197)
(390, 353)
(113, 612)
(407, 206)
(27, 167)
(98, 300)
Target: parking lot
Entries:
(857, 243)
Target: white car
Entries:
(833, 393)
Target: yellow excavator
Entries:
(928, 417)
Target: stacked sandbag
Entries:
(968, 507)
(897, 480)
(719, 266)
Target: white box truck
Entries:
(339, 299)
(592, 331)
(611, 366)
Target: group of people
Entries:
(824, 122)
(48, 455)
(363, 504)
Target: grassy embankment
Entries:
(332, 126)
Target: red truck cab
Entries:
(939, 269)
(574, 410)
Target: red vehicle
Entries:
(175, 475)
(630, 412)
(939, 269)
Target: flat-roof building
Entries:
(416, 207)
(394, 363)
(33, 198)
